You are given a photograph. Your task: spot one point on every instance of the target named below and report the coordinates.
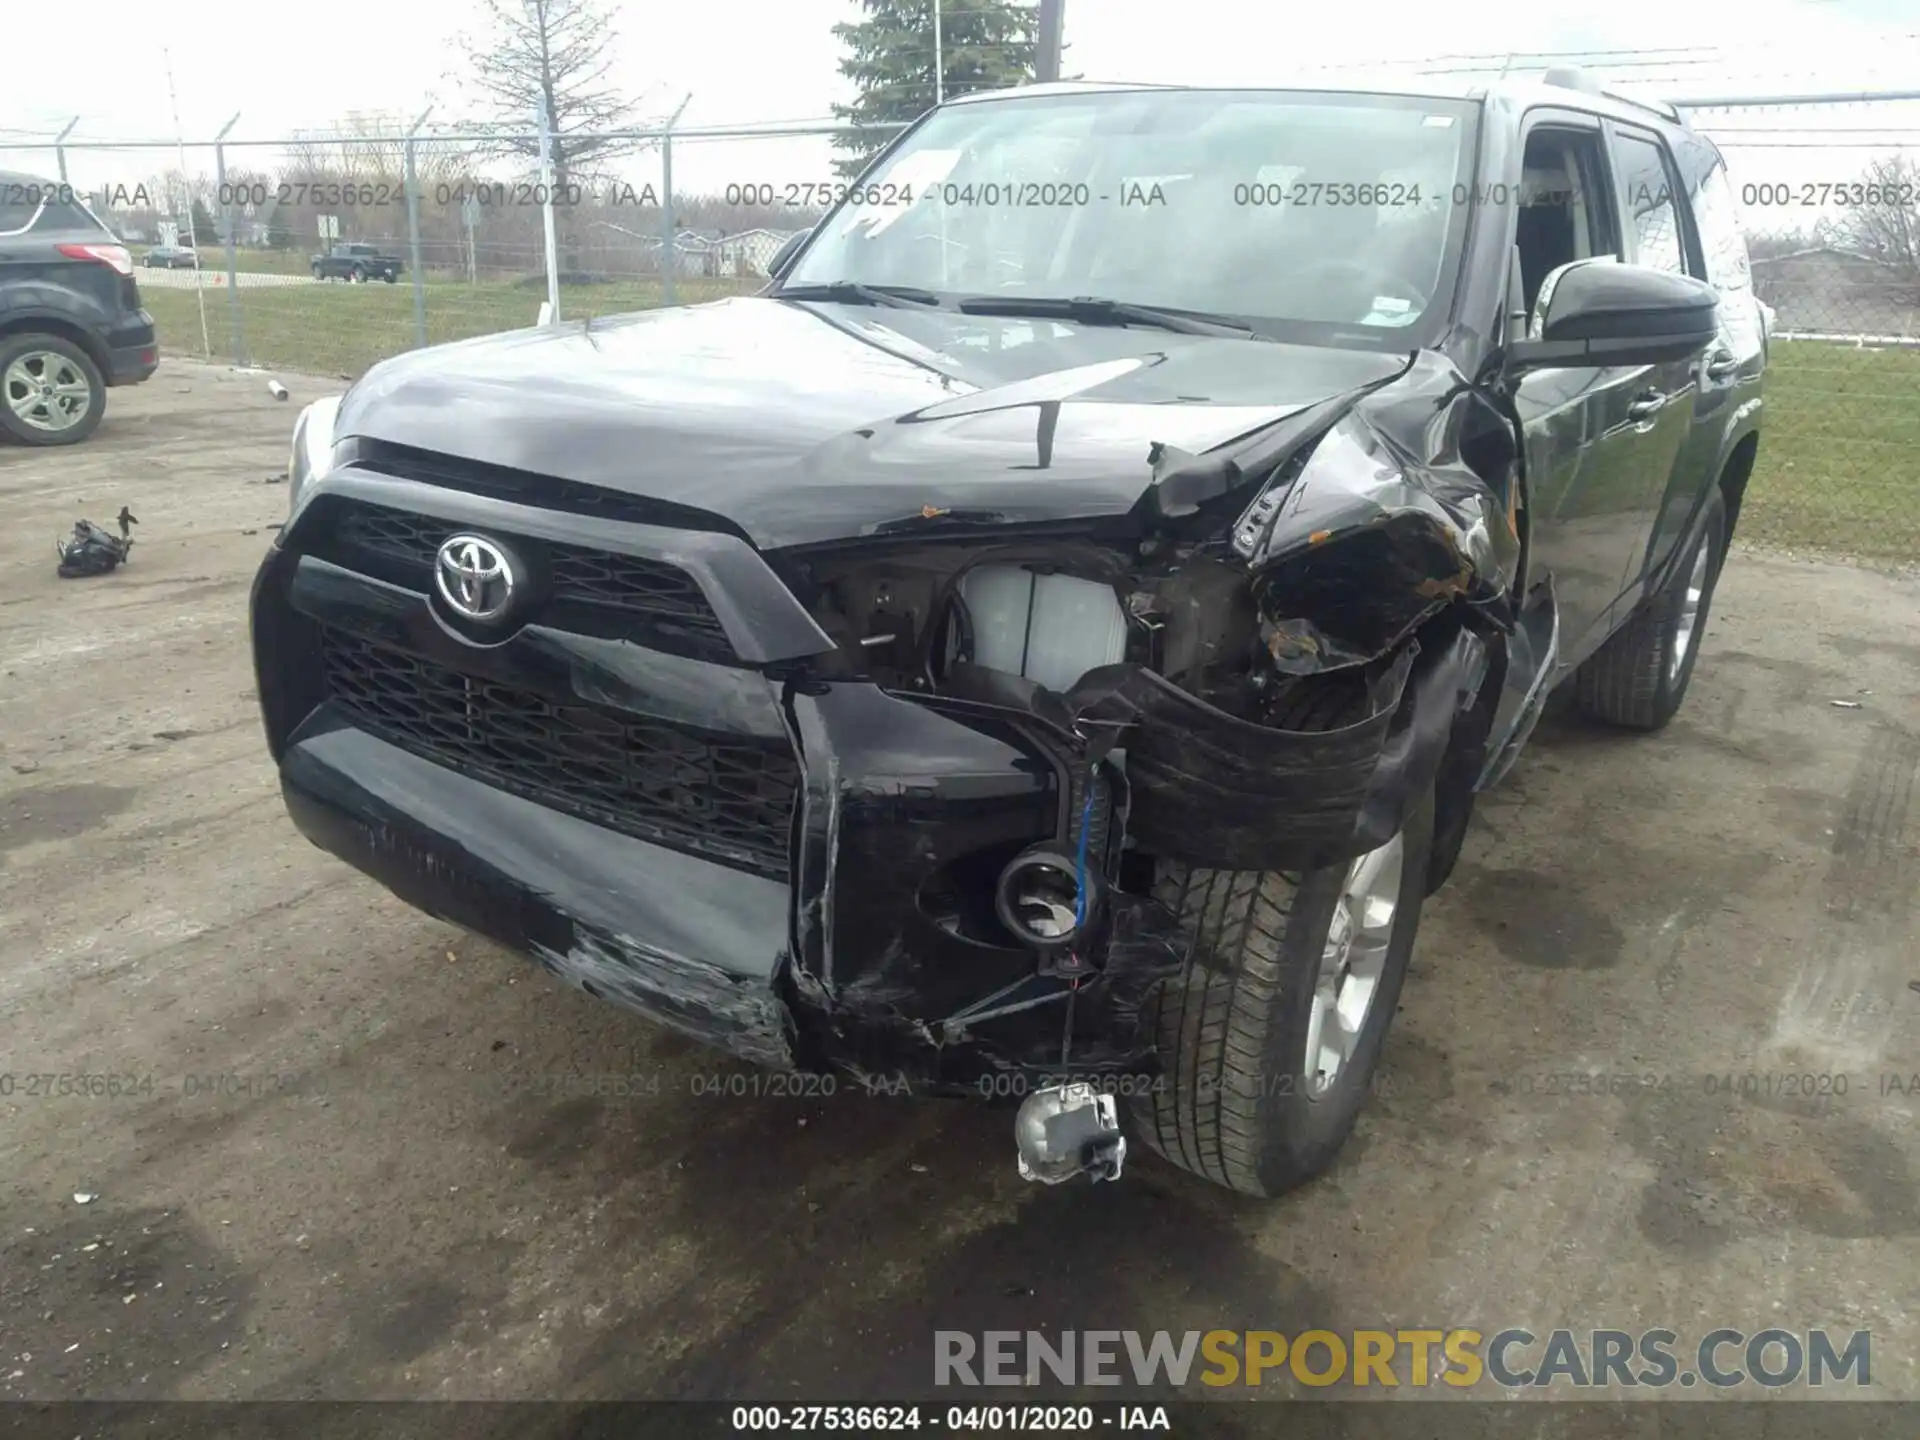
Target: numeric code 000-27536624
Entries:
(963, 1419)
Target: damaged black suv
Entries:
(1045, 646)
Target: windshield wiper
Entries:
(853, 292)
(1097, 310)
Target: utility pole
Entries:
(547, 142)
(1052, 21)
(939, 62)
(230, 214)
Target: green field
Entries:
(1838, 472)
(1839, 466)
(213, 256)
(340, 329)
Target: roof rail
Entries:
(1661, 108)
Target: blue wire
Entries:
(1080, 868)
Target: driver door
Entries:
(1590, 434)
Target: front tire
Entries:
(1268, 1048)
(1639, 677)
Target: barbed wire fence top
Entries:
(448, 229)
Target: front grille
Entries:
(729, 798)
(658, 594)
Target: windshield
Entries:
(1324, 218)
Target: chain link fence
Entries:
(1829, 194)
(327, 253)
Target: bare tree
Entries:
(1885, 224)
(552, 57)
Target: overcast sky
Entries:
(767, 60)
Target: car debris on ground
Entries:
(94, 550)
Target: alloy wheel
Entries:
(1688, 622)
(1352, 963)
(47, 391)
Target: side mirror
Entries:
(1598, 312)
(783, 257)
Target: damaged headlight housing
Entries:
(311, 455)
(1048, 628)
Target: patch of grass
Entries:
(1839, 462)
(342, 329)
(213, 256)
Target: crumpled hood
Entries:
(803, 423)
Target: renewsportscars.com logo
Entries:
(1514, 1358)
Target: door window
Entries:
(1564, 213)
(1719, 220)
(1647, 196)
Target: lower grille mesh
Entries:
(728, 798)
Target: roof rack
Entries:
(1571, 77)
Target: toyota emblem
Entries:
(475, 578)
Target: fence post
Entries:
(233, 260)
(60, 147)
(669, 251)
(413, 233)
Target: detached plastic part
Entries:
(94, 550)
(1069, 1130)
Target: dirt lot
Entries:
(398, 1193)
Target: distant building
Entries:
(1827, 290)
(257, 229)
(749, 251)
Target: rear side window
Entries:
(1647, 196)
(1714, 211)
(15, 211)
(65, 215)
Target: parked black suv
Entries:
(70, 318)
(358, 263)
(1048, 645)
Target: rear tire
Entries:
(1639, 677)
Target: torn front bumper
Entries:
(806, 878)
(840, 934)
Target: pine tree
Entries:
(985, 45)
(205, 230)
